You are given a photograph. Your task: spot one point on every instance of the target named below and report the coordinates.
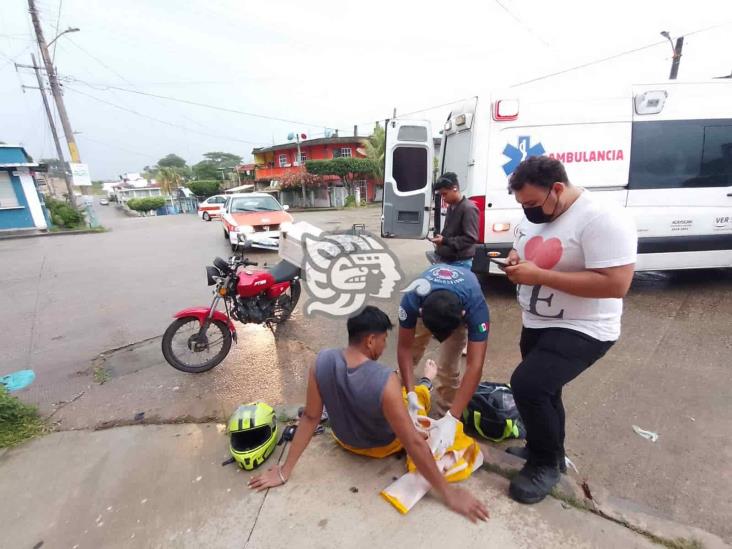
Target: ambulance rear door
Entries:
(408, 159)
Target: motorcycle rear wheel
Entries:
(186, 329)
(287, 302)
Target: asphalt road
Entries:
(67, 299)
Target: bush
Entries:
(64, 215)
(296, 180)
(146, 204)
(18, 421)
(205, 188)
(350, 201)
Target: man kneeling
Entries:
(367, 411)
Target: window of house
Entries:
(303, 157)
(283, 160)
(8, 198)
(345, 152)
(681, 153)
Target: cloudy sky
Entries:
(318, 64)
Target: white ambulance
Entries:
(664, 151)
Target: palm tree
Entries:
(374, 151)
(169, 180)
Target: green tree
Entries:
(348, 169)
(215, 164)
(374, 151)
(204, 188)
(172, 161)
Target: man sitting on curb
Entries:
(365, 404)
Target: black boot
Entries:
(533, 483)
(523, 453)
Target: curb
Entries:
(576, 491)
(60, 233)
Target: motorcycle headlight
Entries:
(246, 229)
(285, 226)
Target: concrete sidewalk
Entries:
(164, 486)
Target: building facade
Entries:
(272, 163)
(20, 202)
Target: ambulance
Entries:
(663, 151)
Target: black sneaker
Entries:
(533, 483)
(523, 453)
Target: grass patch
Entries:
(99, 229)
(101, 374)
(18, 421)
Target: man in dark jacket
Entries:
(456, 243)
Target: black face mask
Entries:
(536, 214)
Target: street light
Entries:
(667, 36)
(676, 53)
(70, 29)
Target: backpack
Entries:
(492, 413)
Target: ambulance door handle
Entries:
(729, 194)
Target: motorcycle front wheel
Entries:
(188, 351)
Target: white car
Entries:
(212, 207)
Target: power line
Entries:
(621, 54)
(513, 16)
(165, 122)
(203, 105)
(58, 22)
(116, 147)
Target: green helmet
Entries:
(252, 434)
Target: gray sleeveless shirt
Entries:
(352, 397)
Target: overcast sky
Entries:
(319, 64)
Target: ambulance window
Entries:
(412, 133)
(681, 153)
(717, 155)
(409, 168)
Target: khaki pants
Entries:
(448, 364)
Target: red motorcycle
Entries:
(200, 337)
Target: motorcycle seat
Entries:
(284, 271)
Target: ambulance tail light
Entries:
(505, 110)
(479, 201)
(501, 227)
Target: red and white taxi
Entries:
(254, 220)
(211, 207)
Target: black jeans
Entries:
(552, 357)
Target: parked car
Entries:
(103, 202)
(211, 207)
(254, 220)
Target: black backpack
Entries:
(492, 413)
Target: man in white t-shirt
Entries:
(573, 262)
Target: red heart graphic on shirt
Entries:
(545, 253)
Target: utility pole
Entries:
(677, 58)
(55, 90)
(299, 164)
(59, 152)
